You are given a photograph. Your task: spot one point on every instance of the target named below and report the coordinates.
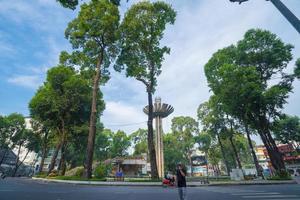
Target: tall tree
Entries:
(185, 129)
(141, 54)
(93, 35)
(211, 118)
(60, 104)
(240, 76)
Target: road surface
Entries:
(27, 189)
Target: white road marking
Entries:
(269, 196)
(3, 190)
(254, 193)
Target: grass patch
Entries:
(279, 178)
(142, 180)
(41, 175)
(76, 178)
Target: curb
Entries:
(158, 184)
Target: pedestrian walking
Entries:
(181, 181)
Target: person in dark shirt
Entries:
(181, 181)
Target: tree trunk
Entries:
(255, 160)
(206, 165)
(18, 165)
(237, 157)
(3, 157)
(62, 163)
(273, 151)
(223, 155)
(44, 151)
(54, 156)
(44, 154)
(154, 172)
(191, 164)
(17, 160)
(93, 119)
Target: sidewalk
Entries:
(158, 184)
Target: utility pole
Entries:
(284, 11)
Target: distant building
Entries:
(31, 158)
(131, 166)
(261, 157)
(290, 155)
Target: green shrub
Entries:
(79, 172)
(281, 175)
(102, 170)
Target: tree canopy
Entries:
(240, 75)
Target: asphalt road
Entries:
(26, 189)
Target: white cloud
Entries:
(121, 116)
(28, 81)
(201, 28)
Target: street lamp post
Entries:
(284, 11)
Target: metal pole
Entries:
(288, 14)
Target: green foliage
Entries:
(287, 129)
(281, 175)
(64, 96)
(79, 172)
(93, 35)
(139, 140)
(214, 155)
(16, 129)
(73, 3)
(102, 170)
(172, 154)
(110, 144)
(239, 76)
(4, 134)
(119, 144)
(68, 3)
(141, 32)
(103, 144)
(178, 144)
(41, 175)
(184, 129)
(204, 141)
(297, 69)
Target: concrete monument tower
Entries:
(160, 111)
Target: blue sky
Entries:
(32, 36)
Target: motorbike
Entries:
(168, 182)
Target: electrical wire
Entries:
(129, 124)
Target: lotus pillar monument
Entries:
(160, 111)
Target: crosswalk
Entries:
(253, 194)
